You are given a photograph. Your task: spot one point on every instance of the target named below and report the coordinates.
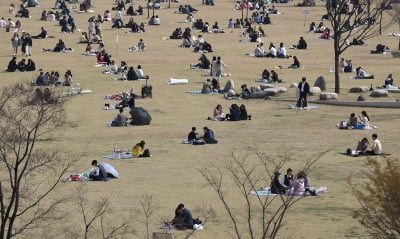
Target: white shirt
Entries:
(259, 51)
(139, 72)
(282, 51)
(272, 51)
(3, 23)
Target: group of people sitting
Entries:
(236, 113)
(53, 79)
(299, 186)
(272, 51)
(207, 138)
(272, 76)
(21, 66)
(345, 66)
(356, 122)
(364, 144)
(380, 49)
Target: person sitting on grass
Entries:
(362, 146)
(12, 65)
(192, 136)
(122, 118)
(183, 218)
(353, 120)
(98, 173)
(218, 114)
(362, 74)
(209, 137)
(276, 186)
(376, 147)
(139, 151)
(301, 45)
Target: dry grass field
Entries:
(171, 174)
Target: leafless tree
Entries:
(355, 21)
(94, 217)
(30, 171)
(148, 207)
(206, 213)
(379, 198)
(250, 170)
(395, 13)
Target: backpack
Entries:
(197, 221)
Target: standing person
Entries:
(91, 27)
(118, 19)
(26, 44)
(68, 78)
(98, 173)
(141, 46)
(304, 89)
(376, 147)
(71, 22)
(15, 42)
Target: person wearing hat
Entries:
(139, 151)
(276, 186)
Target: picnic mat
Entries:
(198, 92)
(119, 156)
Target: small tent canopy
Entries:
(140, 116)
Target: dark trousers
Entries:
(303, 96)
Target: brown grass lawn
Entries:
(171, 175)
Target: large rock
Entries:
(360, 98)
(359, 89)
(321, 83)
(379, 93)
(281, 89)
(315, 90)
(271, 91)
(328, 96)
(265, 86)
(293, 85)
(259, 95)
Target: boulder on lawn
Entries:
(315, 90)
(321, 83)
(359, 89)
(328, 96)
(379, 93)
(265, 86)
(360, 98)
(293, 85)
(271, 91)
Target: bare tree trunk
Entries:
(337, 76)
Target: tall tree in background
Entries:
(357, 20)
(29, 173)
